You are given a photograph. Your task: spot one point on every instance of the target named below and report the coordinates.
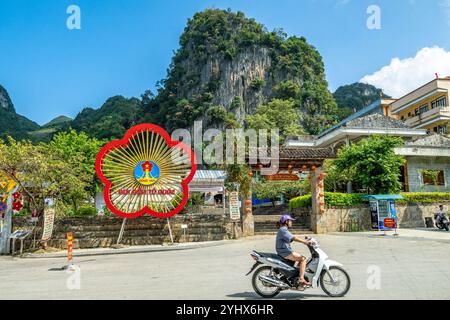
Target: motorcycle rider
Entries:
(441, 214)
(284, 249)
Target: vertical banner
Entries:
(69, 247)
(49, 219)
(235, 213)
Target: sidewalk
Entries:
(411, 234)
(126, 250)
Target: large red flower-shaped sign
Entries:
(146, 173)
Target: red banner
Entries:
(282, 177)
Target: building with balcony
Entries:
(353, 129)
(426, 107)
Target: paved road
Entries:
(411, 268)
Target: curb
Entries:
(389, 236)
(130, 250)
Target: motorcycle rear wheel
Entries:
(327, 284)
(259, 285)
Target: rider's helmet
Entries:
(285, 218)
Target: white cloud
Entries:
(404, 75)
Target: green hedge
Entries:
(86, 211)
(423, 197)
(331, 200)
(349, 200)
(300, 202)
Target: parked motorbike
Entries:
(276, 274)
(443, 223)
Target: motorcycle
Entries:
(443, 223)
(276, 274)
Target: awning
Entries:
(208, 181)
(385, 197)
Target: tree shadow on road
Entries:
(281, 296)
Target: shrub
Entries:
(196, 199)
(331, 200)
(236, 103)
(86, 211)
(257, 84)
(343, 199)
(349, 200)
(300, 202)
(424, 197)
(217, 113)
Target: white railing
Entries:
(426, 116)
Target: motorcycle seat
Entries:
(276, 257)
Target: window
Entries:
(442, 129)
(422, 109)
(433, 177)
(441, 102)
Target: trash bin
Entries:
(429, 222)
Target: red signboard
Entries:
(390, 223)
(283, 177)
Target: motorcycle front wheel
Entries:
(337, 288)
(263, 289)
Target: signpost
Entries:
(19, 235)
(184, 228)
(235, 213)
(34, 221)
(70, 248)
(122, 230)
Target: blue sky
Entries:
(125, 46)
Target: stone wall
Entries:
(413, 215)
(350, 219)
(338, 219)
(96, 232)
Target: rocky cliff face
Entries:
(236, 80)
(5, 100)
(230, 64)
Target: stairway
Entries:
(266, 225)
